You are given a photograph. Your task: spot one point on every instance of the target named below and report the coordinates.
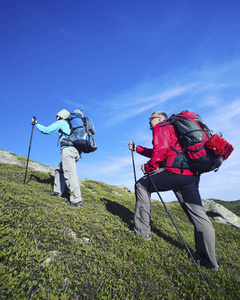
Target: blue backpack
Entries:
(82, 131)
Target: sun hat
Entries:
(64, 114)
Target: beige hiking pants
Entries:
(66, 172)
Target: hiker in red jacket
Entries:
(167, 171)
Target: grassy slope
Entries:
(115, 264)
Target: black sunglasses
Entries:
(151, 118)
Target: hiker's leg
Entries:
(143, 190)
(59, 180)
(142, 213)
(190, 201)
(69, 158)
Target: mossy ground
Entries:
(44, 253)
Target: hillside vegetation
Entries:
(50, 250)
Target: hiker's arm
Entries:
(160, 148)
(144, 151)
(141, 150)
(54, 127)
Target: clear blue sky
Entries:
(119, 61)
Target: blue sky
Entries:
(119, 61)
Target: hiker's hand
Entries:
(143, 168)
(34, 121)
(132, 146)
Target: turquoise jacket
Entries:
(61, 125)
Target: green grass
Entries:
(114, 264)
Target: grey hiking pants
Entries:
(187, 193)
(66, 172)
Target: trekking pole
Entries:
(134, 170)
(33, 123)
(176, 226)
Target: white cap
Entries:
(64, 114)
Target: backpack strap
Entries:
(184, 161)
(62, 132)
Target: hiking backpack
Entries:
(82, 131)
(203, 152)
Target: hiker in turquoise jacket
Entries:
(65, 171)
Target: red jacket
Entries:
(162, 155)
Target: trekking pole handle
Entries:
(34, 120)
(29, 149)
(134, 148)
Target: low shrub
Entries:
(50, 250)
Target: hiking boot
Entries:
(55, 194)
(78, 204)
(146, 237)
(214, 269)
